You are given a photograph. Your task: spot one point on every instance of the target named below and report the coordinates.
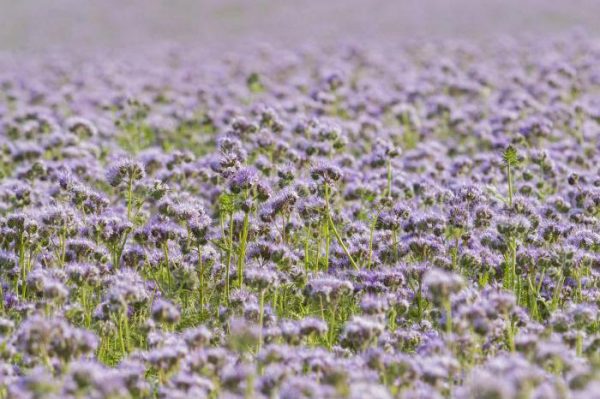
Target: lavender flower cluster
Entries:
(419, 221)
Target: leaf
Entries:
(227, 203)
(254, 83)
(510, 156)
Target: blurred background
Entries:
(39, 25)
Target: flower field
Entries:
(411, 221)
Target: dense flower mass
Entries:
(420, 221)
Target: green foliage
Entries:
(134, 138)
(134, 134)
(254, 83)
(226, 203)
(510, 156)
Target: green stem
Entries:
(335, 232)
(510, 333)
(389, 177)
(229, 255)
(242, 251)
(510, 185)
(332, 325)
(121, 338)
(167, 271)
(261, 311)
(129, 198)
(2, 299)
(318, 254)
(579, 343)
(557, 291)
(327, 244)
(201, 277)
(22, 265)
(306, 250)
(371, 234)
(578, 291)
(448, 310)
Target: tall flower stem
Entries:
(389, 177)
(511, 160)
(306, 249)
(448, 309)
(201, 277)
(335, 232)
(242, 250)
(510, 184)
(261, 312)
(371, 234)
(229, 255)
(129, 198)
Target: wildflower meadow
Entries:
(412, 220)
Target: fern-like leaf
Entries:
(510, 156)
